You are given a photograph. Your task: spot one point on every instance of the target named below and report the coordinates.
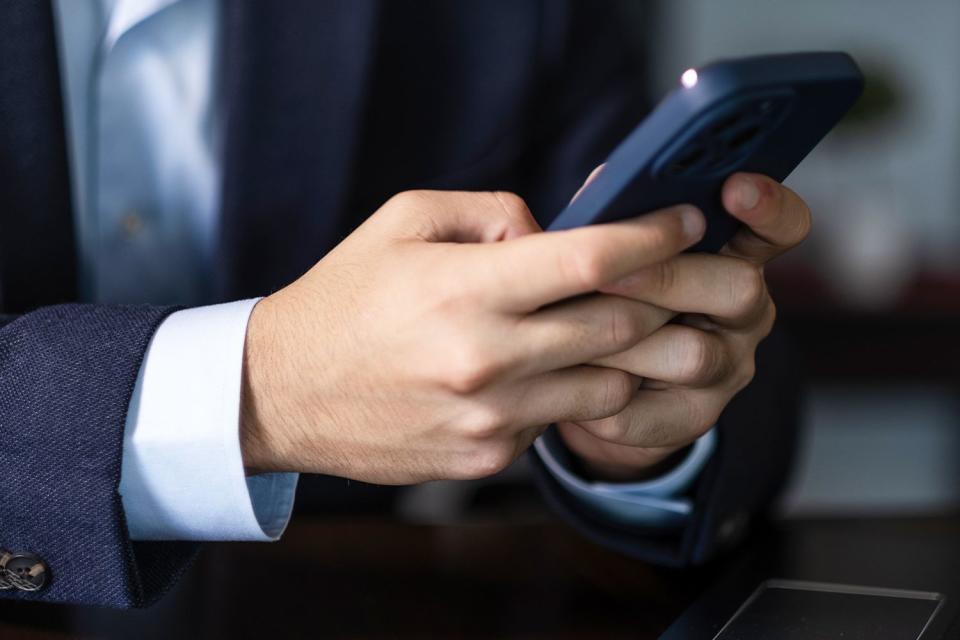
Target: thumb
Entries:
(461, 216)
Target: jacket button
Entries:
(23, 571)
(5, 584)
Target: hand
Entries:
(692, 368)
(427, 344)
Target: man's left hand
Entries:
(713, 311)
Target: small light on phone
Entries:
(689, 78)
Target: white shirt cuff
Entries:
(657, 502)
(182, 473)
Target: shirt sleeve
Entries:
(658, 502)
(182, 475)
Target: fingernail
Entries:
(746, 195)
(693, 223)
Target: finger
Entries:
(526, 273)
(457, 216)
(662, 418)
(573, 394)
(680, 355)
(776, 218)
(579, 330)
(732, 291)
(607, 457)
(525, 439)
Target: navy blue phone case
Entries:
(761, 114)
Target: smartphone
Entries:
(760, 114)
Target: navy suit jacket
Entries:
(329, 108)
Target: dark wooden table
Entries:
(492, 578)
(377, 578)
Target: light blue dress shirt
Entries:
(144, 151)
(654, 503)
(137, 79)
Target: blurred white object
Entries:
(869, 250)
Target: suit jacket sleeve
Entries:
(66, 376)
(592, 95)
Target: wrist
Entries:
(260, 435)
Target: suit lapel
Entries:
(293, 86)
(37, 253)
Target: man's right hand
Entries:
(440, 338)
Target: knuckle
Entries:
(612, 429)
(482, 462)
(616, 395)
(699, 359)
(412, 210)
(586, 266)
(484, 422)
(405, 199)
(749, 288)
(512, 204)
(471, 368)
(624, 329)
(665, 277)
(745, 374)
(444, 293)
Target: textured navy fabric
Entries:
(66, 376)
(329, 108)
